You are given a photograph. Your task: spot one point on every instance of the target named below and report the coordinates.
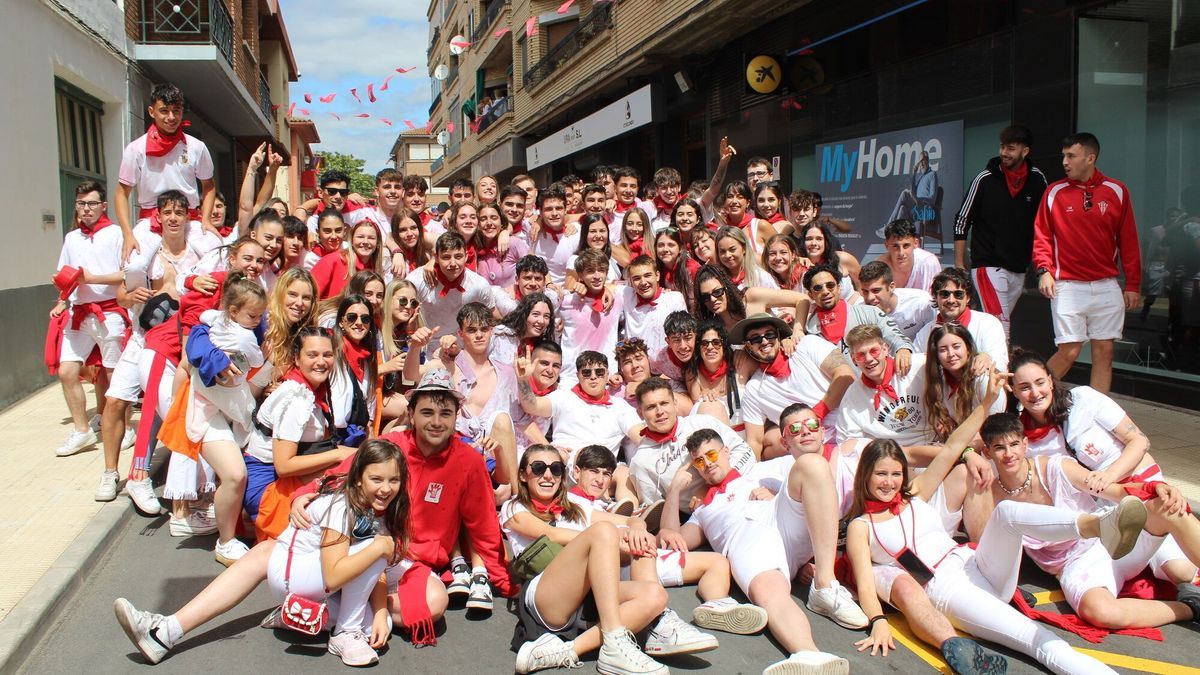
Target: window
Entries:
(418, 151)
(80, 144)
(435, 151)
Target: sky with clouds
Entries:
(350, 43)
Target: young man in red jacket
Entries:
(1084, 222)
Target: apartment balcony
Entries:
(596, 23)
(190, 44)
(494, 9)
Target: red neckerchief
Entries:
(675, 359)
(359, 263)
(356, 356)
(664, 437)
(740, 278)
(885, 387)
(744, 223)
(603, 399)
(412, 265)
(225, 230)
(713, 376)
(317, 248)
(553, 508)
(90, 232)
(425, 217)
(489, 249)
(159, 144)
(661, 206)
(963, 319)
(951, 382)
(472, 257)
(622, 207)
(578, 492)
(833, 321)
(827, 450)
(1015, 180)
(894, 505)
(1033, 430)
(538, 390)
(653, 302)
(597, 300)
(714, 490)
(321, 393)
(637, 247)
(778, 367)
(446, 284)
(554, 234)
(775, 218)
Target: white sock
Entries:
(479, 570)
(174, 630)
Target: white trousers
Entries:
(349, 606)
(1000, 293)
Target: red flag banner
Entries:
(371, 92)
(385, 121)
(305, 112)
(405, 70)
(362, 115)
(500, 33)
(354, 93)
(384, 86)
(460, 43)
(308, 98)
(291, 108)
(531, 26)
(450, 127)
(336, 116)
(327, 98)
(409, 124)
(562, 9)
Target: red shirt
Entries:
(330, 274)
(1078, 244)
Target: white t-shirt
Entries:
(99, 255)
(520, 542)
(925, 267)
(555, 253)
(180, 169)
(914, 309)
(646, 322)
(905, 421)
(764, 398)
(986, 332)
(239, 343)
(653, 465)
(437, 310)
(578, 424)
(291, 413)
(1089, 428)
(327, 512)
(721, 519)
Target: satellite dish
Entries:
(456, 43)
(443, 137)
(441, 72)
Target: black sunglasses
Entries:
(827, 286)
(716, 293)
(713, 342)
(957, 295)
(353, 318)
(403, 302)
(538, 468)
(345, 192)
(769, 336)
(589, 372)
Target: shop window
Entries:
(80, 144)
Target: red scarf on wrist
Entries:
(894, 505)
(1033, 430)
(356, 356)
(102, 223)
(159, 144)
(664, 437)
(719, 488)
(779, 367)
(833, 321)
(603, 399)
(885, 387)
(652, 301)
(446, 284)
(1015, 180)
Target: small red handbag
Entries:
(299, 613)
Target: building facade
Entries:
(653, 84)
(416, 153)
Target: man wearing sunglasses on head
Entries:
(834, 318)
(755, 520)
(815, 374)
(883, 402)
(1085, 221)
(952, 291)
(333, 194)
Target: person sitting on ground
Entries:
(909, 308)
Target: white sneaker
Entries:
(480, 596)
(129, 438)
(622, 507)
(94, 422)
(354, 648)
(730, 616)
(548, 651)
(1121, 525)
(196, 524)
(147, 631)
(142, 494)
(460, 582)
(230, 551)
(75, 442)
(809, 663)
(836, 603)
(108, 486)
(672, 636)
(619, 655)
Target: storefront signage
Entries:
(620, 116)
(763, 74)
(911, 173)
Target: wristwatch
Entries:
(1041, 271)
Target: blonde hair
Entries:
(387, 322)
(749, 266)
(281, 333)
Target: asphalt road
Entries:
(159, 573)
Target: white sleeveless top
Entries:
(918, 528)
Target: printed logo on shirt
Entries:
(1103, 207)
(1091, 451)
(901, 415)
(433, 494)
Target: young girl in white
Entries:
(894, 531)
(231, 329)
(360, 528)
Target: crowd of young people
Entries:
(395, 407)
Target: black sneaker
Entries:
(480, 596)
(1189, 594)
(968, 657)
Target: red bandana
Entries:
(317, 248)
(833, 322)
(662, 206)
(356, 356)
(744, 223)
(597, 300)
(359, 263)
(554, 234)
(90, 232)
(714, 490)
(740, 278)
(1033, 430)
(1015, 180)
(446, 284)
(679, 363)
(894, 505)
(777, 368)
(589, 399)
(963, 319)
(538, 390)
(713, 376)
(664, 437)
(653, 301)
(951, 382)
(321, 393)
(777, 217)
(553, 508)
(578, 492)
(472, 257)
(885, 387)
(412, 265)
(622, 207)
(159, 144)
(637, 247)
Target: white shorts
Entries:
(1094, 568)
(756, 548)
(78, 344)
(668, 565)
(792, 522)
(1087, 310)
(529, 595)
(125, 383)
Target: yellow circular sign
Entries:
(763, 74)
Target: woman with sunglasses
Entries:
(400, 319)
(952, 389)
(711, 376)
(717, 297)
(366, 283)
(352, 383)
(589, 562)
(821, 247)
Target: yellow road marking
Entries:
(1135, 663)
(1047, 597)
(904, 635)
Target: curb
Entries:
(64, 577)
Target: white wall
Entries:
(38, 43)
